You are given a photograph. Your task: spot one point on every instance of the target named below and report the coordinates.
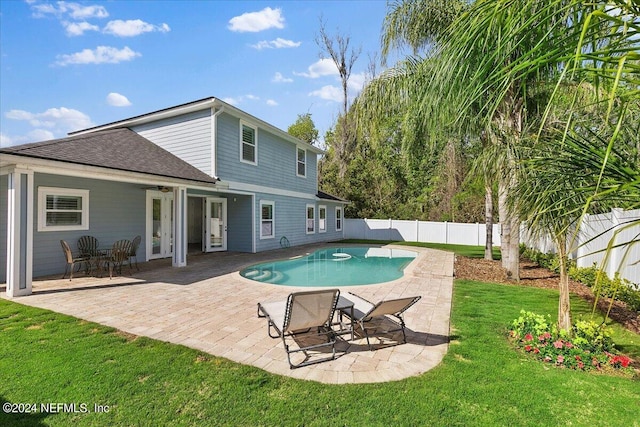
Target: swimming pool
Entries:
(334, 267)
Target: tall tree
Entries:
(304, 129)
(338, 48)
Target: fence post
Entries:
(389, 229)
(446, 232)
(417, 230)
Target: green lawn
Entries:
(50, 358)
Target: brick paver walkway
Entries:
(210, 307)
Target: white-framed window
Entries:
(62, 209)
(301, 163)
(322, 219)
(338, 218)
(267, 219)
(248, 144)
(311, 219)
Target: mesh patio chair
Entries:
(119, 254)
(135, 244)
(72, 260)
(365, 312)
(303, 316)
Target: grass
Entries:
(49, 357)
(462, 250)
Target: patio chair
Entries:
(119, 254)
(72, 260)
(135, 243)
(365, 311)
(303, 316)
(88, 246)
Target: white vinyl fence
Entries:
(420, 231)
(614, 230)
(597, 230)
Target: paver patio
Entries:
(210, 307)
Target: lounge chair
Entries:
(365, 311)
(303, 316)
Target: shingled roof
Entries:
(120, 149)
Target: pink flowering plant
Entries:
(589, 347)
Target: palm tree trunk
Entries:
(510, 231)
(488, 215)
(564, 304)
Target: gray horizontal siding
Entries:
(116, 211)
(290, 222)
(276, 160)
(187, 137)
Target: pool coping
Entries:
(215, 312)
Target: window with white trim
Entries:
(63, 209)
(338, 218)
(311, 219)
(322, 219)
(301, 163)
(267, 219)
(248, 144)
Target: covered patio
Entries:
(208, 306)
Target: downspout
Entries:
(214, 141)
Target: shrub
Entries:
(590, 348)
(617, 288)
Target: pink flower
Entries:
(548, 359)
(528, 337)
(560, 359)
(568, 344)
(578, 358)
(558, 344)
(580, 365)
(527, 348)
(536, 350)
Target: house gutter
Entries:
(214, 139)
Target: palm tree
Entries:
(485, 63)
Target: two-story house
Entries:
(198, 177)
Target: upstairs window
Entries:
(62, 209)
(302, 162)
(248, 144)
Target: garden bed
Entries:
(534, 276)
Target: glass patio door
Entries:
(215, 225)
(159, 224)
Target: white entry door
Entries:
(159, 224)
(215, 225)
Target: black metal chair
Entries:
(72, 260)
(119, 254)
(135, 244)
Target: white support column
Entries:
(180, 244)
(19, 232)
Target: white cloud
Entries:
(324, 67)
(240, 99)
(78, 28)
(257, 21)
(100, 55)
(72, 10)
(330, 93)
(278, 43)
(357, 81)
(116, 100)
(48, 124)
(132, 28)
(271, 103)
(279, 78)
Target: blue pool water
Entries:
(334, 267)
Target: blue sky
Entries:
(69, 65)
